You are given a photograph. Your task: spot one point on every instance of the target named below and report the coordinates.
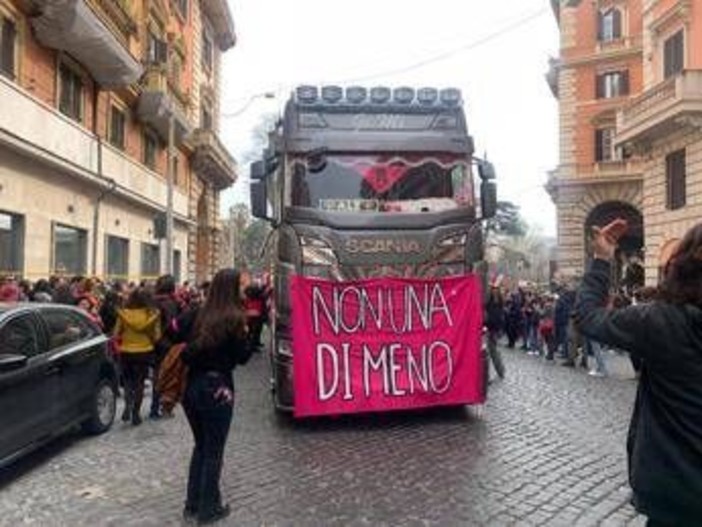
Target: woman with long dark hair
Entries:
(216, 337)
(665, 436)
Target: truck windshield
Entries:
(409, 183)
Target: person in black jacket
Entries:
(216, 337)
(665, 436)
(169, 310)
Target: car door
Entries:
(27, 394)
(77, 348)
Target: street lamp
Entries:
(252, 99)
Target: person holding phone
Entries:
(664, 444)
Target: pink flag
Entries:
(386, 344)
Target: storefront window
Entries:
(117, 257)
(70, 250)
(150, 260)
(11, 242)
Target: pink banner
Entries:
(386, 344)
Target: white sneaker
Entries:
(596, 373)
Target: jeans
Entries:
(210, 416)
(562, 340)
(595, 350)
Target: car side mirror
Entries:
(488, 199)
(12, 362)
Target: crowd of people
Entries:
(136, 316)
(543, 324)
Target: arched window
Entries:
(609, 25)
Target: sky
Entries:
(495, 52)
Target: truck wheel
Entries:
(103, 408)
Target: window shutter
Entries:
(679, 51)
(624, 82)
(616, 23)
(600, 26)
(161, 51)
(8, 31)
(599, 86)
(599, 143)
(676, 191)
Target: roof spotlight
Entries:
(403, 95)
(451, 96)
(427, 96)
(380, 94)
(356, 94)
(332, 94)
(307, 94)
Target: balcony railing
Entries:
(159, 102)
(40, 131)
(657, 109)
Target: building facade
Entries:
(104, 101)
(629, 87)
(599, 71)
(663, 126)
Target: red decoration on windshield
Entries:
(382, 177)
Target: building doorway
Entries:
(628, 272)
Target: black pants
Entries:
(255, 330)
(135, 368)
(209, 418)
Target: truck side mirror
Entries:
(258, 171)
(488, 199)
(259, 206)
(486, 171)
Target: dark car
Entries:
(55, 373)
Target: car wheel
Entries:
(103, 408)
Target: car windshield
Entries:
(408, 183)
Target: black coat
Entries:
(665, 436)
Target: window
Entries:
(612, 84)
(117, 257)
(117, 125)
(150, 150)
(8, 42)
(604, 145)
(609, 25)
(70, 250)
(675, 180)
(182, 6)
(156, 50)
(207, 51)
(176, 170)
(65, 328)
(206, 118)
(175, 70)
(70, 93)
(150, 260)
(176, 265)
(20, 336)
(674, 54)
(11, 242)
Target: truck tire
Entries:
(103, 407)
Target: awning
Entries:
(73, 27)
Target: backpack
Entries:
(172, 378)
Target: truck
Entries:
(362, 183)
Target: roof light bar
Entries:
(332, 94)
(403, 95)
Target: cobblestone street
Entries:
(547, 449)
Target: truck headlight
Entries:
(317, 252)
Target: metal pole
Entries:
(169, 196)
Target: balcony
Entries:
(660, 110)
(138, 180)
(219, 15)
(74, 27)
(116, 14)
(159, 102)
(211, 160)
(40, 132)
